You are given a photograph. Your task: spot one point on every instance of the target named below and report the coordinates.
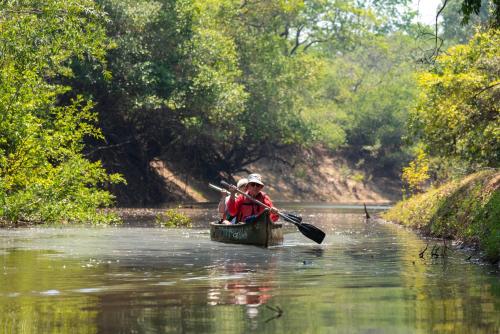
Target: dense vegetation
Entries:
(214, 85)
(457, 111)
(456, 124)
(44, 177)
(465, 209)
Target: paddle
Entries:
(291, 216)
(308, 230)
(296, 218)
(222, 190)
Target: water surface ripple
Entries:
(366, 277)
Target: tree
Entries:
(219, 84)
(284, 50)
(470, 7)
(362, 101)
(44, 176)
(455, 31)
(457, 116)
(174, 91)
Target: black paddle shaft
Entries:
(310, 231)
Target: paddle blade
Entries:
(312, 232)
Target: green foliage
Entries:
(173, 218)
(43, 175)
(454, 29)
(488, 228)
(324, 108)
(358, 177)
(465, 209)
(417, 173)
(227, 82)
(362, 99)
(178, 81)
(457, 115)
(470, 7)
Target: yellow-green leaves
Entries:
(45, 177)
(458, 113)
(417, 173)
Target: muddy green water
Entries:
(366, 277)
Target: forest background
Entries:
(95, 95)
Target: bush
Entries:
(173, 218)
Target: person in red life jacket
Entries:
(243, 208)
(226, 218)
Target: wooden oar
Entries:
(308, 230)
(222, 190)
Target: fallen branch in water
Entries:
(367, 215)
(421, 254)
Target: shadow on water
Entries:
(365, 277)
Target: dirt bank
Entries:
(317, 177)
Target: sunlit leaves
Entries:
(458, 111)
(41, 136)
(417, 172)
(215, 80)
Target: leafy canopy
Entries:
(43, 175)
(457, 115)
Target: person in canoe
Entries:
(226, 218)
(243, 208)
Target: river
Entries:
(366, 277)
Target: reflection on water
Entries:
(237, 284)
(366, 277)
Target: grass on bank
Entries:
(466, 210)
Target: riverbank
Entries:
(467, 210)
(317, 176)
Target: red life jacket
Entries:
(243, 207)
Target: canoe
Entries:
(261, 232)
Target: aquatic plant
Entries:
(173, 218)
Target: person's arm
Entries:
(222, 205)
(274, 212)
(233, 204)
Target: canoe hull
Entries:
(262, 232)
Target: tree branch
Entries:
(297, 40)
(285, 32)
(100, 148)
(445, 2)
(314, 42)
(485, 89)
